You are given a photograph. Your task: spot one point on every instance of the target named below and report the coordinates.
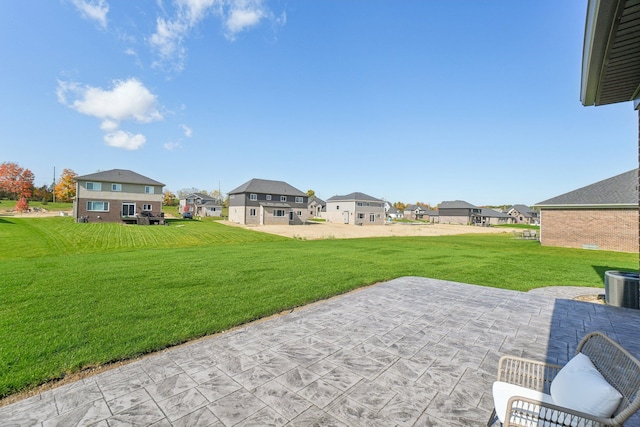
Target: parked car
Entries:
(187, 215)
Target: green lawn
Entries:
(79, 295)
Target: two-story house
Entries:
(263, 202)
(118, 195)
(459, 212)
(200, 205)
(355, 208)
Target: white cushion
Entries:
(581, 387)
(502, 392)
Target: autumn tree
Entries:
(15, 181)
(400, 206)
(22, 205)
(43, 194)
(311, 193)
(65, 189)
(169, 198)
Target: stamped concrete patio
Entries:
(408, 352)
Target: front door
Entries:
(128, 209)
(290, 217)
(345, 217)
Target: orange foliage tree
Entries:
(65, 189)
(22, 205)
(15, 181)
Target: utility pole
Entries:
(53, 188)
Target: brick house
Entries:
(263, 202)
(603, 216)
(118, 195)
(459, 212)
(523, 214)
(356, 209)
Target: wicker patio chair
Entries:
(618, 367)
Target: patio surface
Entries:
(408, 352)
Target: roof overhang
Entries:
(611, 53)
(592, 206)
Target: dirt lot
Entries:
(325, 230)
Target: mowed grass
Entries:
(80, 295)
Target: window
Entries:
(360, 216)
(146, 207)
(149, 189)
(299, 213)
(359, 203)
(98, 206)
(253, 197)
(372, 218)
(116, 187)
(252, 212)
(283, 198)
(94, 186)
(299, 200)
(268, 196)
(278, 212)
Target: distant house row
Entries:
(599, 216)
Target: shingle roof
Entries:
(488, 212)
(524, 210)
(457, 204)
(119, 176)
(353, 196)
(266, 186)
(618, 190)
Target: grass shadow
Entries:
(601, 269)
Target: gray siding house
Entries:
(459, 212)
(264, 202)
(118, 195)
(356, 209)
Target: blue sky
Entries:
(410, 100)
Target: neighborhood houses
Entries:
(602, 215)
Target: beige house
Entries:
(602, 216)
(263, 202)
(356, 209)
(118, 195)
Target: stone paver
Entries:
(408, 352)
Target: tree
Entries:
(22, 205)
(311, 193)
(217, 196)
(43, 194)
(400, 206)
(184, 192)
(15, 181)
(169, 199)
(65, 189)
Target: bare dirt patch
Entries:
(329, 230)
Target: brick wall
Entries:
(604, 229)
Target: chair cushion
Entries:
(581, 387)
(502, 392)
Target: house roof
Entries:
(266, 186)
(611, 53)
(488, 212)
(124, 176)
(457, 204)
(318, 200)
(354, 196)
(615, 191)
(524, 210)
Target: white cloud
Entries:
(126, 140)
(236, 16)
(187, 131)
(170, 146)
(126, 100)
(95, 10)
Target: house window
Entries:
(116, 187)
(268, 196)
(252, 212)
(299, 200)
(189, 200)
(98, 206)
(149, 189)
(360, 216)
(299, 213)
(146, 207)
(94, 186)
(253, 197)
(359, 204)
(278, 212)
(372, 218)
(283, 198)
